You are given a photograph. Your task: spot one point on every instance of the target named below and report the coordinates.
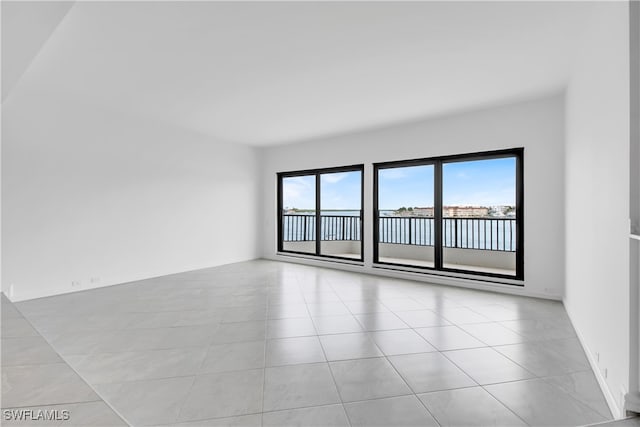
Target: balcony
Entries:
(476, 244)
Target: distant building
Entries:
(423, 211)
(447, 211)
(465, 211)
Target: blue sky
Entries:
(338, 190)
(476, 183)
(480, 183)
(408, 186)
(299, 192)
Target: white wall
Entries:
(634, 208)
(91, 194)
(537, 125)
(597, 194)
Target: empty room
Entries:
(307, 213)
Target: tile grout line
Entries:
(570, 395)
(367, 332)
(76, 372)
(536, 377)
(439, 352)
(344, 409)
(462, 370)
(264, 355)
(407, 383)
(487, 391)
(333, 378)
(206, 354)
(396, 370)
(505, 405)
(458, 326)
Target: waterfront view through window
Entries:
(406, 232)
(479, 215)
(320, 212)
(299, 215)
(459, 214)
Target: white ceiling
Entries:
(26, 26)
(268, 73)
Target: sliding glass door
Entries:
(298, 196)
(405, 215)
(458, 213)
(479, 219)
(341, 214)
(320, 212)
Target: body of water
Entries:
(467, 233)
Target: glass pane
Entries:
(405, 209)
(479, 216)
(340, 209)
(299, 214)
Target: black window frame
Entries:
(438, 162)
(318, 230)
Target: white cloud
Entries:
(504, 196)
(298, 192)
(393, 173)
(332, 178)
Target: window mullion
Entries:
(437, 215)
(318, 218)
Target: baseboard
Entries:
(111, 281)
(460, 282)
(615, 409)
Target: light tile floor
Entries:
(279, 344)
(35, 378)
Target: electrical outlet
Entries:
(598, 357)
(95, 280)
(605, 372)
(75, 284)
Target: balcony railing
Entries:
(302, 228)
(484, 233)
